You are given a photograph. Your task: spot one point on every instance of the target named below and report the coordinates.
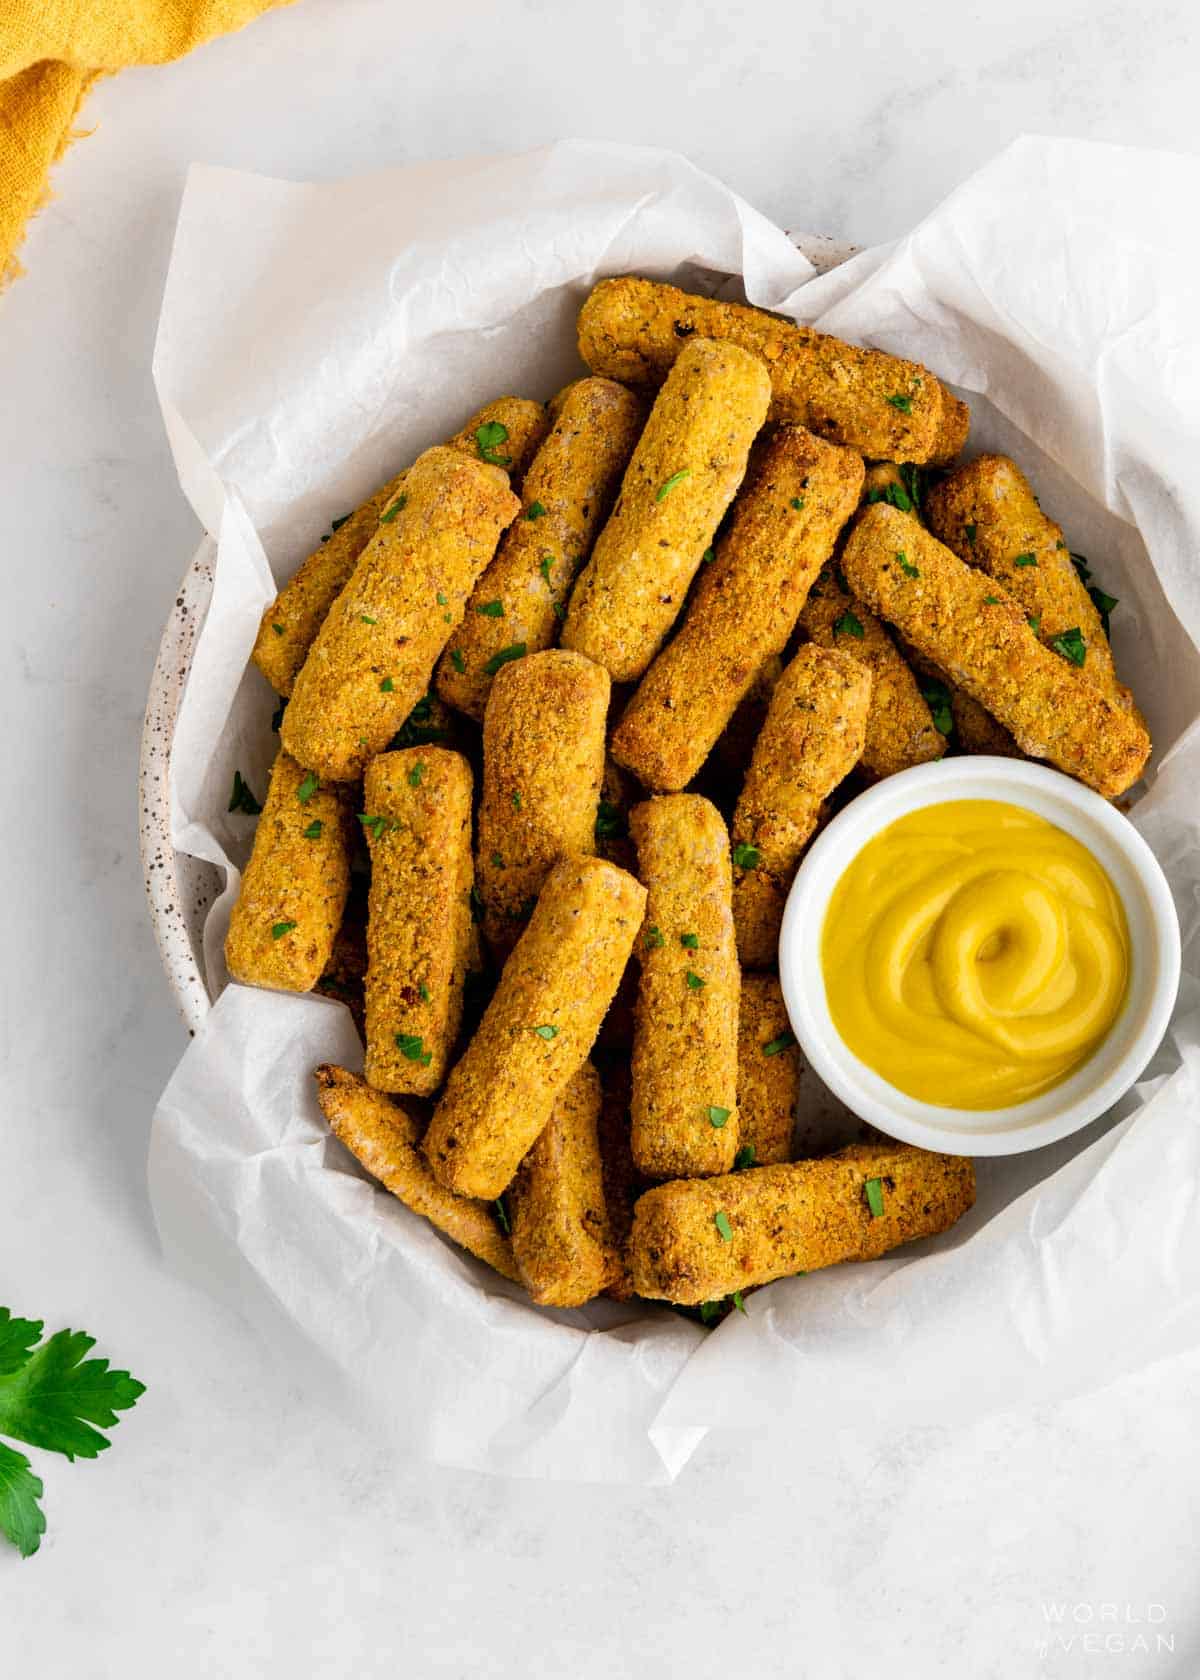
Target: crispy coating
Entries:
(987, 514)
(290, 624)
(685, 1033)
(383, 1136)
(374, 654)
(969, 625)
(768, 1071)
(344, 976)
(634, 330)
(812, 739)
(622, 1181)
(560, 1232)
(744, 607)
(419, 915)
(569, 489)
(787, 1219)
(543, 762)
(953, 430)
(900, 727)
(538, 1028)
(688, 463)
(294, 888)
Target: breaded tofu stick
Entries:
(635, 330)
(812, 739)
(622, 1181)
(684, 1116)
(418, 824)
(744, 607)
(969, 625)
(384, 1136)
(290, 624)
(374, 654)
(569, 489)
(702, 1240)
(294, 887)
(688, 463)
(560, 1234)
(543, 763)
(987, 514)
(768, 1072)
(538, 1028)
(900, 726)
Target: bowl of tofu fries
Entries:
(574, 704)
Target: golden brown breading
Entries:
(969, 625)
(987, 514)
(699, 1240)
(294, 888)
(560, 1232)
(768, 1071)
(383, 1136)
(418, 822)
(688, 462)
(290, 624)
(812, 739)
(953, 429)
(622, 1181)
(543, 761)
(685, 1033)
(374, 654)
(634, 330)
(569, 489)
(744, 607)
(538, 1028)
(900, 727)
(344, 975)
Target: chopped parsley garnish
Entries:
(441, 599)
(516, 801)
(423, 992)
(970, 534)
(397, 506)
(378, 825)
(910, 473)
(502, 1215)
(367, 619)
(497, 861)
(746, 856)
(610, 825)
(745, 1157)
(1071, 645)
(490, 609)
(535, 511)
(691, 940)
(1025, 560)
(457, 660)
(654, 938)
(489, 437)
(516, 651)
(278, 929)
(739, 1303)
(775, 1046)
(545, 1032)
(694, 980)
(308, 787)
(906, 565)
(903, 403)
(241, 799)
(895, 495)
(724, 1228)
(991, 600)
(387, 686)
(544, 566)
(664, 490)
(278, 629)
(1034, 620)
(1079, 561)
(874, 1192)
(848, 625)
(937, 697)
(1103, 604)
(313, 831)
(418, 728)
(710, 1311)
(797, 502)
(718, 1116)
(412, 1047)
(706, 556)
(416, 773)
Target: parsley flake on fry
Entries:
(241, 799)
(397, 506)
(718, 1116)
(848, 625)
(488, 439)
(278, 929)
(724, 1228)
(746, 856)
(775, 1046)
(308, 787)
(516, 651)
(665, 489)
(874, 1193)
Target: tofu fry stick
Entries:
(290, 624)
(812, 739)
(768, 1072)
(560, 1234)
(383, 1136)
(538, 1028)
(418, 823)
(988, 515)
(688, 462)
(684, 1118)
(569, 489)
(635, 330)
(294, 888)
(543, 763)
(622, 1181)
(970, 626)
(744, 608)
(699, 1240)
(374, 654)
(900, 727)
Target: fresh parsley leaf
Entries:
(910, 473)
(848, 625)
(375, 825)
(457, 660)
(516, 651)
(903, 403)
(545, 1032)
(412, 1047)
(724, 1228)
(1025, 560)
(516, 801)
(775, 1046)
(489, 437)
(1034, 620)
(706, 557)
(535, 511)
(423, 991)
(387, 686)
(991, 600)
(1079, 561)
(937, 697)
(710, 1311)
(745, 1157)
(718, 1116)
(497, 861)
(279, 629)
(1071, 645)
(308, 787)
(696, 983)
(610, 825)
(501, 1211)
(490, 609)
(278, 929)
(665, 489)
(21, 1517)
(797, 502)
(17, 1336)
(690, 940)
(746, 856)
(313, 831)
(441, 598)
(654, 938)
(738, 1302)
(970, 531)
(1103, 604)
(56, 1396)
(397, 506)
(874, 1193)
(906, 565)
(416, 773)
(241, 799)
(367, 619)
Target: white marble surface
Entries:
(238, 1527)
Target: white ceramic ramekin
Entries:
(1133, 1037)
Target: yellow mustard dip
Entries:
(974, 954)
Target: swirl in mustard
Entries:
(974, 954)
